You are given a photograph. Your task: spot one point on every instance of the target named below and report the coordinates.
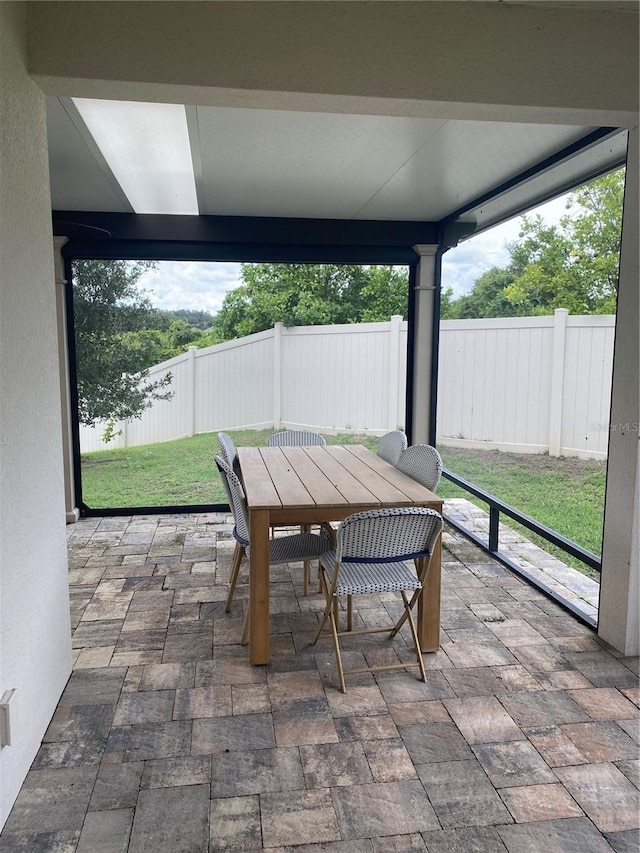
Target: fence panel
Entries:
(527, 384)
(337, 378)
(587, 386)
(493, 378)
(234, 384)
(165, 419)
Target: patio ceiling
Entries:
(292, 164)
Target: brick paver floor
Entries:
(524, 738)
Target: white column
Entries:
(277, 375)
(619, 615)
(72, 513)
(557, 380)
(423, 340)
(395, 416)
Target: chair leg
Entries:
(307, 577)
(414, 634)
(336, 611)
(238, 554)
(336, 644)
(349, 613)
(326, 614)
(422, 575)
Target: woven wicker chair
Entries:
(422, 462)
(295, 438)
(370, 557)
(391, 446)
(282, 549)
(229, 452)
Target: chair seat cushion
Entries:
(360, 578)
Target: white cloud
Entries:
(462, 266)
(196, 285)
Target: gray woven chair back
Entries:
(295, 438)
(228, 451)
(391, 446)
(388, 534)
(237, 500)
(422, 462)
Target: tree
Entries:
(446, 304)
(115, 342)
(309, 294)
(571, 265)
(199, 319)
(487, 297)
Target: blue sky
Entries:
(202, 285)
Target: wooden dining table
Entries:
(309, 485)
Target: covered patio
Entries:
(524, 738)
(525, 735)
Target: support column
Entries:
(72, 513)
(619, 616)
(423, 342)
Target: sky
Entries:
(202, 285)
(464, 264)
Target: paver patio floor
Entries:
(525, 737)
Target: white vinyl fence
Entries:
(526, 385)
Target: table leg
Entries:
(429, 604)
(259, 587)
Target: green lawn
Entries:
(170, 473)
(565, 494)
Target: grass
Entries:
(170, 473)
(566, 494)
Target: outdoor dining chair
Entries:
(229, 451)
(295, 438)
(291, 548)
(371, 556)
(391, 446)
(422, 463)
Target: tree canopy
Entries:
(572, 265)
(309, 294)
(199, 319)
(118, 335)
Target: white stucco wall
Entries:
(403, 58)
(35, 645)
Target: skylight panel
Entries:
(146, 146)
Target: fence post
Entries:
(394, 369)
(277, 375)
(191, 402)
(558, 350)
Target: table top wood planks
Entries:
(308, 485)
